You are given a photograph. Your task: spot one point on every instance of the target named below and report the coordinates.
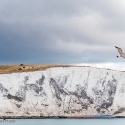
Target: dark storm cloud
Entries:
(53, 31)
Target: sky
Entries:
(79, 32)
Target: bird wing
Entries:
(123, 55)
(119, 50)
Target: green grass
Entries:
(9, 96)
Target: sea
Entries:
(114, 121)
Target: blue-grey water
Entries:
(117, 121)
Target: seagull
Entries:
(120, 52)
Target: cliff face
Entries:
(64, 92)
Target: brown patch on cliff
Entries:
(6, 69)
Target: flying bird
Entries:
(120, 52)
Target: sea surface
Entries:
(114, 121)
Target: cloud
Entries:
(74, 31)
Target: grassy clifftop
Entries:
(5, 69)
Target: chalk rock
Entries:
(63, 92)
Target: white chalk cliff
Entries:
(63, 92)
